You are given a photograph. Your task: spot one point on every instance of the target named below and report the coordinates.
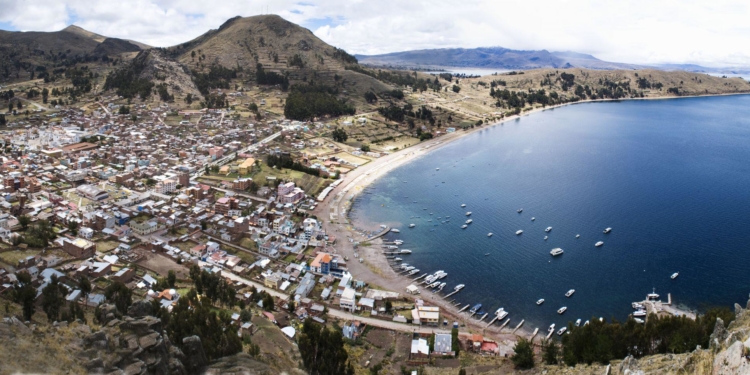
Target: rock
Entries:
(107, 312)
(98, 340)
(731, 361)
(629, 366)
(195, 357)
(134, 368)
(150, 340)
(142, 326)
(747, 306)
(608, 370)
(737, 309)
(139, 309)
(96, 363)
(718, 336)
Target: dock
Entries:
(421, 277)
(464, 308)
(492, 321)
(483, 316)
(518, 326)
(452, 293)
(550, 334)
(505, 324)
(534, 334)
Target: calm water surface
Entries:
(671, 177)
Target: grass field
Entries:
(13, 256)
(106, 246)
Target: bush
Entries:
(524, 355)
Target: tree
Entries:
(85, 286)
(365, 148)
(24, 220)
(246, 315)
(456, 88)
(45, 94)
(388, 306)
(339, 135)
(2, 120)
(550, 352)
(25, 294)
(268, 302)
(40, 234)
(524, 355)
(171, 278)
(455, 343)
(73, 227)
(370, 97)
(53, 297)
(322, 350)
(462, 371)
(120, 295)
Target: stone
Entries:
(107, 312)
(95, 363)
(195, 357)
(608, 370)
(737, 309)
(139, 309)
(718, 336)
(629, 366)
(143, 325)
(134, 368)
(149, 340)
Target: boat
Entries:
(459, 287)
(391, 247)
(501, 313)
(540, 301)
(398, 242)
(490, 235)
(469, 221)
(551, 328)
(429, 279)
(599, 244)
(412, 225)
(519, 210)
(437, 169)
(568, 294)
(637, 306)
(674, 275)
(562, 310)
(434, 285)
(441, 286)
(468, 213)
(441, 275)
(412, 272)
(578, 236)
(464, 226)
(545, 238)
(409, 268)
(639, 313)
(518, 232)
(394, 230)
(486, 254)
(607, 230)
(548, 229)
(556, 251)
(652, 296)
(533, 218)
(585, 323)
(463, 205)
(475, 308)
(397, 259)
(578, 323)
(561, 331)
(404, 251)
(639, 321)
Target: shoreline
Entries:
(375, 269)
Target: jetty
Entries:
(381, 234)
(518, 326)
(534, 334)
(550, 334)
(452, 293)
(464, 308)
(421, 277)
(492, 321)
(505, 324)
(483, 316)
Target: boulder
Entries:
(737, 309)
(195, 357)
(142, 326)
(139, 309)
(718, 336)
(134, 368)
(149, 341)
(629, 366)
(107, 312)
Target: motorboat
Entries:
(469, 221)
(598, 244)
(533, 218)
(639, 313)
(475, 308)
(486, 254)
(551, 328)
(549, 229)
(652, 296)
(519, 232)
(463, 205)
(394, 230)
(404, 251)
(501, 313)
(464, 226)
(468, 213)
(437, 169)
(540, 301)
(568, 294)
(412, 225)
(562, 310)
(578, 236)
(397, 259)
(637, 306)
(607, 230)
(546, 238)
(561, 331)
(398, 242)
(674, 275)
(578, 323)
(442, 285)
(459, 287)
(434, 285)
(639, 321)
(556, 251)
(489, 234)
(519, 210)
(585, 323)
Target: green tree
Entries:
(322, 350)
(73, 227)
(456, 88)
(24, 220)
(171, 278)
(462, 371)
(550, 352)
(120, 295)
(39, 234)
(455, 343)
(53, 297)
(25, 294)
(365, 148)
(84, 284)
(339, 135)
(388, 306)
(268, 303)
(524, 354)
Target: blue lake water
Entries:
(671, 177)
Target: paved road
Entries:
(257, 285)
(384, 323)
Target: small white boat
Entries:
(639, 321)
(585, 323)
(561, 331)
(578, 323)
(637, 306)
(607, 230)
(469, 221)
(578, 236)
(548, 229)
(533, 218)
(568, 294)
(412, 225)
(639, 313)
(546, 238)
(598, 244)
(562, 310)
(519, 210)
(501, 313)
(556, 251)
(468, 213)
(405, 251)
(437, 169)
(519, 232)
(540, 301)
(551, 328)
(463, 205)
(486, 254)
(674, 275)
(394, 230)
(397, 259)
(489, 234)
(398, 242)
(459, 287)
(464, 226)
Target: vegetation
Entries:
(322, 350)
(270, 78)
(25, 294)
(524, 354)
(119, 294)
(342, 55)
(550, 352)
(306, 102)
(126, 81)
(53, 297)
(39, 234)
(217, 77)
(285, 161)
(602, 342)
(213, 286)
(339, 135)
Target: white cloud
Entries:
(635, 31)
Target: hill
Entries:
(490, 57)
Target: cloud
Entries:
(634, 31)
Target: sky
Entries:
(712, 33)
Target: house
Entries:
(419, 349)
(306, 285)
(443, 344)
(352, 330)
(272, 281)
(124, 275)
(426, 315)
(347, 300)
(79, 248)
(366, 304)
(322, 263)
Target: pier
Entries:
(536, 331)
(550, 334)
(483, 316)
(452, 293)
(421, 277)
(492, 321)
(518, 326)
(505, 324)
(464, 308)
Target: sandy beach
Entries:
(375, 269)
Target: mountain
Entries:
(490, 57)
(280, 46)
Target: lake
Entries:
(671, 177)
